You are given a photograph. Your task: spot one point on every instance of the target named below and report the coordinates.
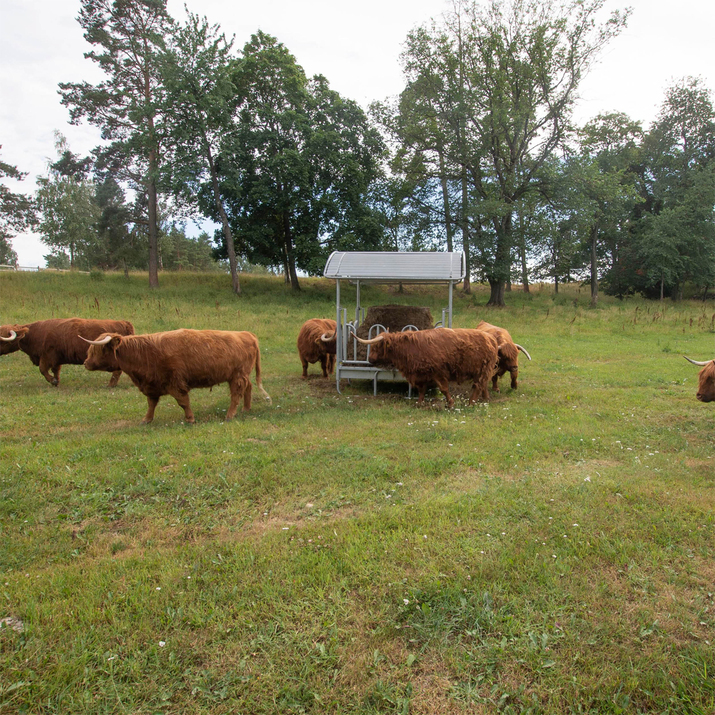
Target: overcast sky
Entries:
(355, 45)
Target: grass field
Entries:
(550, 552)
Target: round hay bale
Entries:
(392, 317)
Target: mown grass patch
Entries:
(550, 552)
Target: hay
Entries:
(392, 317)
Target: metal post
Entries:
(357, 306)
(338, 336)
(451, 284)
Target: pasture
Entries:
(550, 552)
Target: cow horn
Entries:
(523, 350)
(372, 341)
(696, 362)
(330, 338)
(103, 341)
(13, 335)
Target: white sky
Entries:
(355, 45)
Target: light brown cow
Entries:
(50, 344)
(439, 355)
(316, 342)
(508, 354)
(706, 379)
(174, 362)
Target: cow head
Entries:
(102, 353)
(706, 380)
(327, 341)
(379, 348)
(10, 337)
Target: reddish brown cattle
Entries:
(311, 346)
(50, 344)
(174, 362)
(439, 356)
(706, 380)
(508, 354)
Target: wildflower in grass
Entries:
(162, 644)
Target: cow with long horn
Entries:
(438, 356)
(174, 362)
(508, 354)
(50, 344)
(706, 379)
(316, 342)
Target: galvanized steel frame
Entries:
(361, 369)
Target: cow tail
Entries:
(258, 375)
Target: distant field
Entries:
(552, 552)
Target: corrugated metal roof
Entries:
(384, 266)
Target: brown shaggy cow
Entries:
(508, 354)
(311, 346)
(174, 362)
(438, 356)
(706, 380)
(50, 344)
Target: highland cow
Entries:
(174, 362)
(316, 342)
(706, 380)
(438, 356)
(50, 344)
(508, 354)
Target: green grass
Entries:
(552, 552)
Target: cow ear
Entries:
(21, 331)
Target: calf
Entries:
(706, 380)
(174, 362)
(316, 341)
(439, 355)
(50, 344)
(508, 354)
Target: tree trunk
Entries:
(467, 288)
(662, 281)
(496, 295)
(227, 234)
(594, 266)
(524, 269)
(153, 233)
(71, 256)
(445, 201)
(288, 238)
(556, 285)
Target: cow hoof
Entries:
(146, 422)
(54, 382)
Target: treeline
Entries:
(478, 153)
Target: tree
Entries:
(129, 37)
(17, 213)
(510, 72)
(65, 200)
(604, 176)
(297, 175)
(201, 103)
(678, 243)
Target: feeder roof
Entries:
(386, 266)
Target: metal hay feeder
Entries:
(384, 267)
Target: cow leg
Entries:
(240, 387)
(324, 365)
(444, 389)
(182, 397)
(152, 402)
(331, 364)
(514, 375)
(45, 366)
(115, 378)
(495, 379)
(305, 369)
